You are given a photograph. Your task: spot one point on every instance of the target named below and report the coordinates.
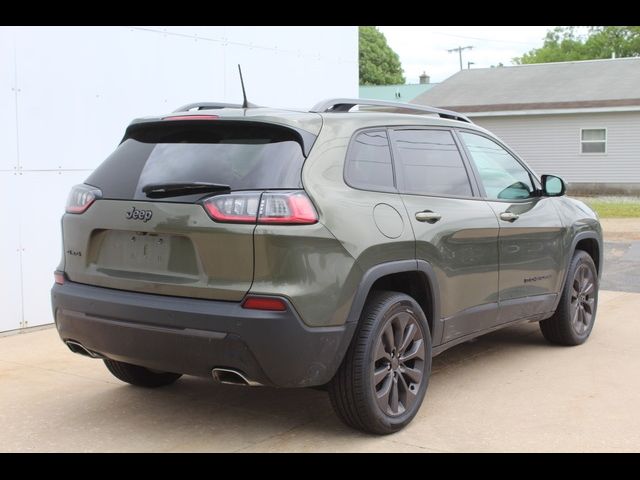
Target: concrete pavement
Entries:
(621, 266)
(506, 391)
(621, 254)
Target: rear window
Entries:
(245, 157)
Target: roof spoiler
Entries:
(335, 105)
(210, 106)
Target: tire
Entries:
(573, 320)
(357, 393)
(140, 376)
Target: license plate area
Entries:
(145, 252)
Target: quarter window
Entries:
(430, 163)
(593, 140)
(369, 162)
(502, 176)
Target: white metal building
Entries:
(579, 120)
(67, 94)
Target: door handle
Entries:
(509, 217)
(428, 216)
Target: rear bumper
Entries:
(193, 336)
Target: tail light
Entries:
(233, 208)
(280, 208)
(81, 197)
(288, 208)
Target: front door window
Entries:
(502, 176)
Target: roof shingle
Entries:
(582, 84)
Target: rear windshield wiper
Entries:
(164, 190)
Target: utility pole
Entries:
(459, 50)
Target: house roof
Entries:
(545, 86)
(388, 92)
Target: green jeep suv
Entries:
(332, 247)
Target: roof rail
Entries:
(345, 104)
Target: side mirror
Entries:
(553, 186)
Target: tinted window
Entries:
(369, 163)
(243, 158)
(430, 163)
(502, 176)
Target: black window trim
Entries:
(354, 185)
(534, 179)
(473, 183)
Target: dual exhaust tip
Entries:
(229, 376)
(77, 347)
(225, 376)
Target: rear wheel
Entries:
(384, 376)
(140, 376)
(575, 316)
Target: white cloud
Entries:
(425, 48)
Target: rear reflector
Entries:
(279, 208)
(264, 303)
(192, 117)
(58, 277)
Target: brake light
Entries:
(264, 303)
(192, 117)
(81, 197)
(283, 208)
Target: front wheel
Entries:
(384, 376)
(575, 316)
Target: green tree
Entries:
(562, 44)
(624, 41)
(379, 64)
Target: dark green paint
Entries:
(479, 260)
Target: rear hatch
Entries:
(148, 229)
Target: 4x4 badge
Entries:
(136, 214)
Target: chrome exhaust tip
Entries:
(228, 376)
(77, 347)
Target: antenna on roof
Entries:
(245, 103)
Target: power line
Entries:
(483, 39)
(459, 50)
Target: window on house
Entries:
(594, 140)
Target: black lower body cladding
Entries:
(193, 336)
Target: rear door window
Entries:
(429, 163)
